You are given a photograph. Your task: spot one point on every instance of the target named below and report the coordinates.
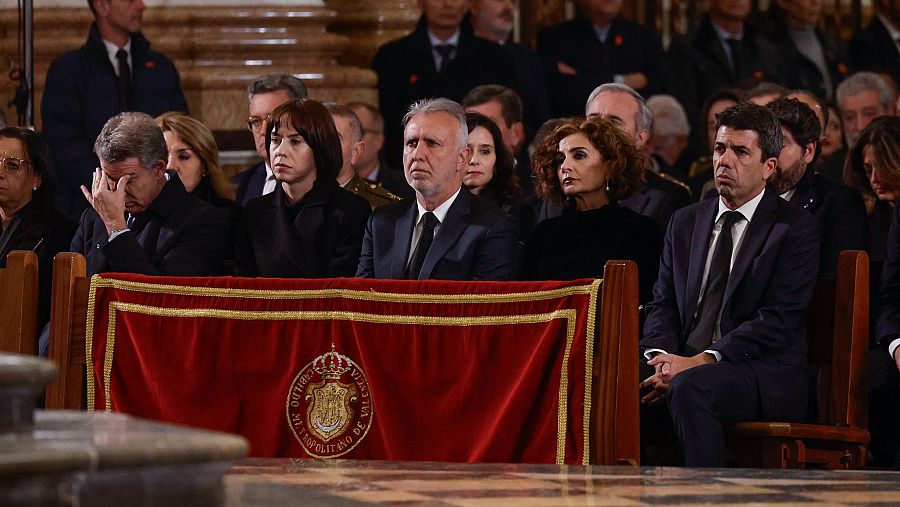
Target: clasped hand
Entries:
(107, 197)
(667, 366)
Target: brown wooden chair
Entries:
(838, 333)
(68, 317)
(19, 302)
(615, 408)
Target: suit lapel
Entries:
(451, 228)
(754, 238)
(403, 229)
(700, 236)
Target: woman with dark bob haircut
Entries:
(29, 219)
(309, 227)
(491, 173)
(588, 166)
(873, 169)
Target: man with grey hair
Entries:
(861, 98)
(141, 220)
(445, 232)
(669, 134)
(264, 95)
(349, 130)
(662, 194)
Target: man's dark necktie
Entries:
(445, 50)
(735, 46)
(124, 80)
(418, 256)
(701, 335)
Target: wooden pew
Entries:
(837, 335)
(68, 316)
(615, 404)
(18, 302)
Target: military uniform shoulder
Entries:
(676, 181)
(372, 192)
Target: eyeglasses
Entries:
(12, 164)
(255, 123)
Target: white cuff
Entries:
(649, 353)
(715, 353)
(893, 347)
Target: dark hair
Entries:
(37, 152)
(767, 88)
(883, 135)
(799, 120)
(504, 183)
(730, 94)
(510, 103)
(759, 119)
(273, 82)
(624, 162)
(312, 121)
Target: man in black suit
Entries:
(725, 332)
(597, 47)
(876, 48)
(265, 94)
(662, 194)
(140, 222)
(369, 164)
(445, 232)
(493, 20)
(839, 211)
(440, 58)
(884, 394)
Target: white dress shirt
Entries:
(112, 49)
(440, 213)
(438, 59)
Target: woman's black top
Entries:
(577, 244)
(318, 237)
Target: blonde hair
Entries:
(200, 139)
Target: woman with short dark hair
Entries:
(588, 166)
(309, 227)
(29, 219)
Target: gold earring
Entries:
(607, 185)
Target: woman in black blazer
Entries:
(309, 227)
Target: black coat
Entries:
(628, 48)
(407, 73)
(658, 199)
(177, 235)
(249, 183)
(81, 93)
(873, 49)
(46, 232)
(319, 237)
(840, 213)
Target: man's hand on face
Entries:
(108, 199)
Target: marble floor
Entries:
(271, 482)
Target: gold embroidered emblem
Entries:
(329, 407)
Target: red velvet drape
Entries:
(448, 371)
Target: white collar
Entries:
(454, 39)
(441, 211)
(112, 49)
(725, 34)
(748, 209)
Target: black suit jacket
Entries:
(658, 199)
(873, 49)
(476, 241)
(177, 235)
(628, 48)
(804, 74)
(840, 213)
(249, 183)
(764, 307)
(322, 241)
(406, 73)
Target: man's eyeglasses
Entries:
(255, 123)
(12, 164)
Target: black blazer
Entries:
(322, 240)
(249, 183)
(177, 235)
(763, 316)
(46, 232)
(476, 241)
(406, 73)
(628, 48)
(888, 327)
(873, 49)
(658, 199)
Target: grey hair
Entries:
(343, 111)
(642, 120)
(376, 115)
(441, 105)
(273, 82)
(669, 118)
(127, 135)
(864, 81)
